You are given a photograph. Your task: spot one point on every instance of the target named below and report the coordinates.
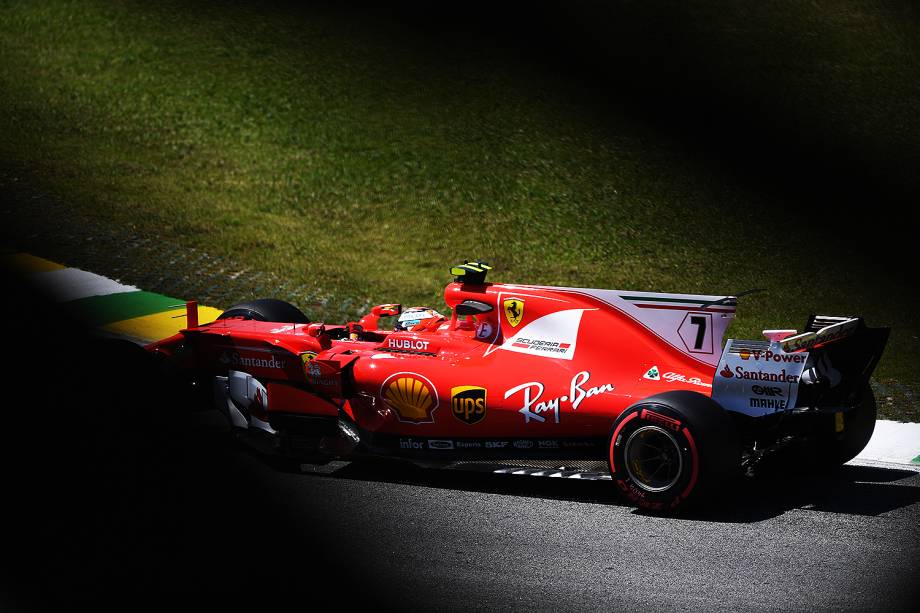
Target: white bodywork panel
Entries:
(235, 394)
(758, 378)
(694, 324)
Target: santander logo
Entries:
(726, 372)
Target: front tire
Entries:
(671, 449)
(267, 309)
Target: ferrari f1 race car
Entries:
(518, 373)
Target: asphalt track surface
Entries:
(119, 497)
(451, 540)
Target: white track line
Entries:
(72, 284)
(893, 442)
(857, 461)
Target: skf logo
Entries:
(468, 403)
(412, 396)
(514, 310)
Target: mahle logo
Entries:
(468, 403)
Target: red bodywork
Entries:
(539, 363)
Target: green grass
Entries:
(356, 157)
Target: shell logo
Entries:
(412, 396)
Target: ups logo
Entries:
(468, 403)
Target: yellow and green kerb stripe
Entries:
(105, 303)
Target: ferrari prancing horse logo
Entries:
(514, 310)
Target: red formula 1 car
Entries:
(522, 373)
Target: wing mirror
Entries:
(387, 310)
(316, 330)
(473, 307)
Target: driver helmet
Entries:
(412, 317)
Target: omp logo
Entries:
(765, 390)
(514, 310)
(468, 403)
(412, 396)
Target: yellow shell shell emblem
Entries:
(514, 310)
(412, 398)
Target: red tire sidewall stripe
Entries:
(696, 464)
(616, 433)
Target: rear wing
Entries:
(826, 367)
(821, 330)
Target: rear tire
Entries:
(267, 309)
(671, 449)
(858, 426)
